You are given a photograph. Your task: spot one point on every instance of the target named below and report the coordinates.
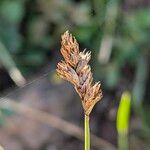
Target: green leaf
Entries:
(12, 10)
(123, 113)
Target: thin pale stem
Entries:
(86, 133)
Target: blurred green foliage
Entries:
(5, 112)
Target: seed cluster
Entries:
(75, 69)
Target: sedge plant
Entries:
(75, 69)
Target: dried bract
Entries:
(76, 70)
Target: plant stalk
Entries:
(86, 133)
(123, 142)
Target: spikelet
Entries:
(76, 70)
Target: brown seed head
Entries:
(76, 70)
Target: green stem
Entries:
(86, 133)
(123, 142)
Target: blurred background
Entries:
(38, 110)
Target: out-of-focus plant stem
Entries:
(86, 133)
(139, 88)
(10, 66)
(123, 121)
(123, 142)
(112, 10)
(140, 83)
